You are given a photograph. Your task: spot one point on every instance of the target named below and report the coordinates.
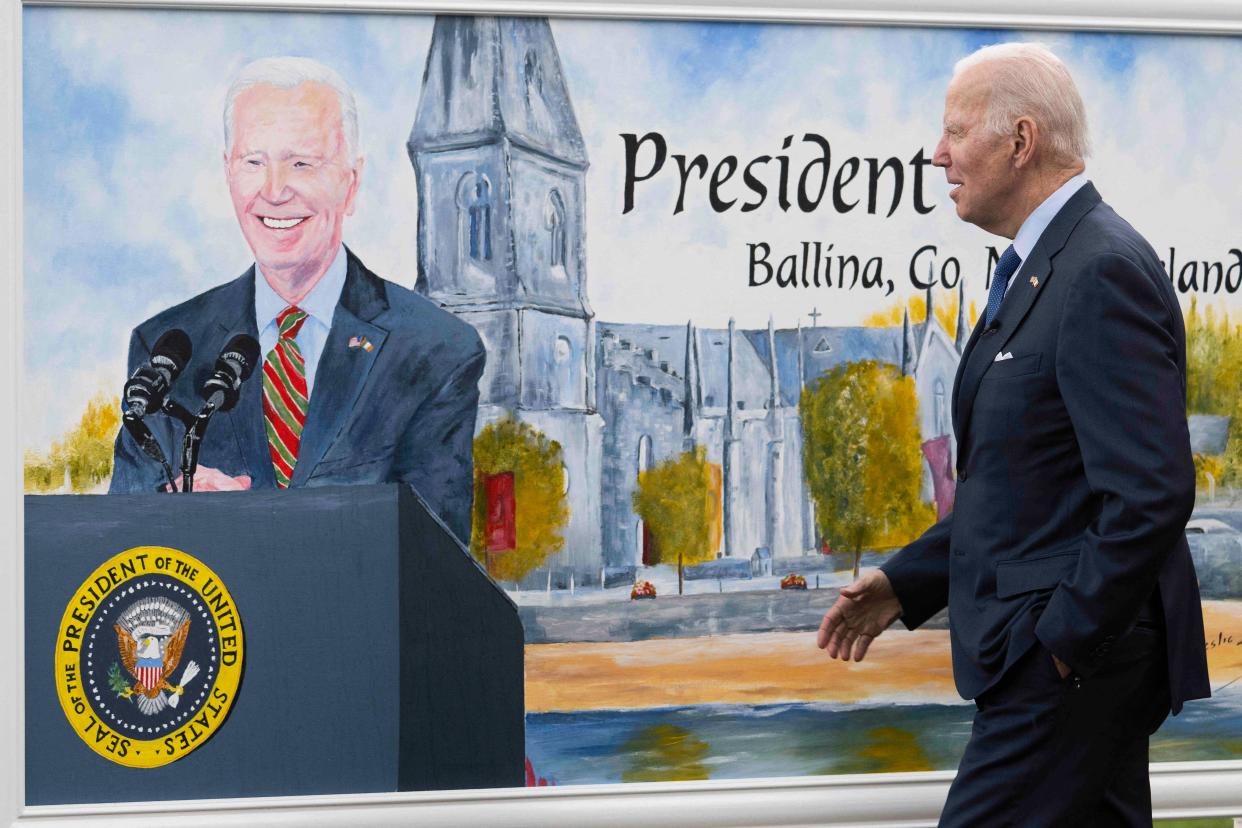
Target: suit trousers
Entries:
(1048, 751)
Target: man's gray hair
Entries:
(287, 73)
(1029, 80)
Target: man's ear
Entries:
(1025, 137)
(353, 185)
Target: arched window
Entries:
(645, 552)
(942, 417)
(533, 73)
(474, 209)
(554, 221)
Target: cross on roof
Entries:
(815, 315)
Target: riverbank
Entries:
(901, 668)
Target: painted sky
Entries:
(126, 209)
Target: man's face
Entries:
(974, 159)
(290, 176)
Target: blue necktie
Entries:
(1005, 268)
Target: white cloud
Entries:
(1164, 136)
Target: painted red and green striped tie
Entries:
(285, 396)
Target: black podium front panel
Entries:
(343, 615)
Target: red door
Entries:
(501, 530)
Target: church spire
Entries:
(774, 392)
(731, 457)
(693, 395)
(962, 335)
(801, 362)
(908, 346)
(489, 78)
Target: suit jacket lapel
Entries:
(1018, 301)
(246, 418)
(342, 370)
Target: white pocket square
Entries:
(1004, 356)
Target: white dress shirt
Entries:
(1037, 222)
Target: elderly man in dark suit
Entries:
(1073, 606)
(363, 381)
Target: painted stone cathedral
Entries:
(501, 170)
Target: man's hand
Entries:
(864, 609)
(207, 479)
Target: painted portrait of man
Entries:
(362, 381)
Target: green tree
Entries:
(862, 457)
(679, 502)
(541, 508)
(86, 451)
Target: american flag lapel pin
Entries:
(360, 342)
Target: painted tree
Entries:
(862, 457)
(531, 468)
(86, 451)
(1213, 368)
(679, 502)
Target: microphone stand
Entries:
(195, 427)
(147, 442)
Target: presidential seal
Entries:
(148, 657)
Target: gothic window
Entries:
(474, 207)
(942, 419)
(563, 349)
(554, 222)
(645, 540)
(822, 346)
(533, 73)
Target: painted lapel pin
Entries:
(1034, 281)
(361, 342)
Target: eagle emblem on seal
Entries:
(151, 635)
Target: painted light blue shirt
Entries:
(319, 305)
(1037, 222)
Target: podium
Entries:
(378, 654)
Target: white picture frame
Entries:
(1180, 790)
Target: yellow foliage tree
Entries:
(679, 501)
(916, 306)
(86, 451)
(541, 507)
(862, 457)
(1213, 369)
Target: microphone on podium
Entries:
(148, 389)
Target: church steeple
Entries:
(501, 167)
(909, 348)
(962, 334)
(693, 394)
(489, 78)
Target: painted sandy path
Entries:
(771, 668)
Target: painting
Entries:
(722, 295)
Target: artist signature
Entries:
(1223, 640)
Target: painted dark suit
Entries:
(403, 410)
(1075, 477)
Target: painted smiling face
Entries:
(291, 179)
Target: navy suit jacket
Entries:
(1075, 476)
(402, 411)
